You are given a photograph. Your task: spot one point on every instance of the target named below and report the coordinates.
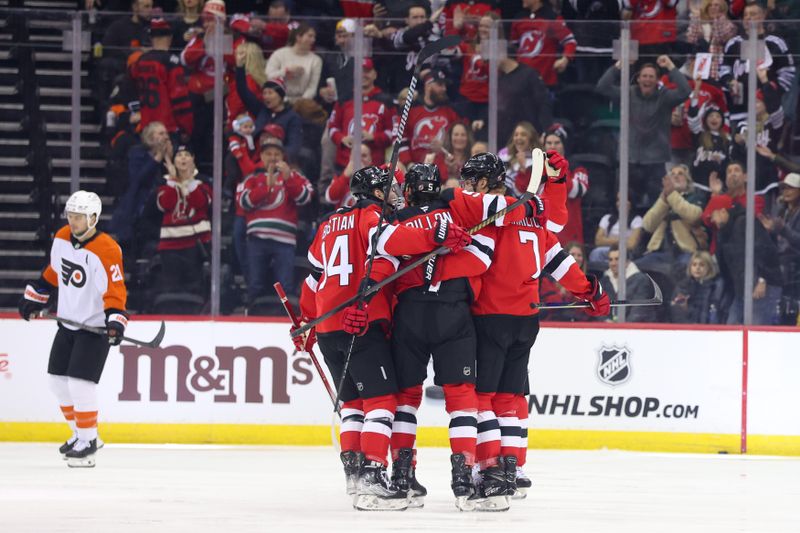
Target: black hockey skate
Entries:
(511, 476)
(352, 464)
(67, 446)
(523, 484)
(492, 488)
(375, 492)
(404, 477)
(82, 454)
(462, 482)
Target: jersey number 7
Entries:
(529, 236)
(338, 263)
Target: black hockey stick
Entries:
(427, 52)
(657, 299)
(527, 195)
(155, 343)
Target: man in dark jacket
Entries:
(521, 95)
(637, 284)
(730, 220)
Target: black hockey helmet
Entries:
(484, 165)
(365, 180)
(423, 183)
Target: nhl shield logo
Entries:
(614, 365)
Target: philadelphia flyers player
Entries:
(506, 323)
(339, 254)
(86, 268)
(432, 318)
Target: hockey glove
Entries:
(535, 210)
(557, 162)
(33, 300)
(306, 341)
(355, 319)
(116, 322)
(597, 298)
(450, 235)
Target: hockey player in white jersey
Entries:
(86, 268)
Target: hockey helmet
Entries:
(86, 203)
(423, 183)
(484, 165)
(365, 180)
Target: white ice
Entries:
(274, 489)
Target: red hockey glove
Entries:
(597, 298)
(355, 319)
(450, 235)
(306, 341)
(559, 163)
(535, 210)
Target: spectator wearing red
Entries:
(185, 202)
(709, 30)
(653, 24)
(197, 56)
(377, 121)
(735, 192)
(577, 186)
(338, 192)
(428, 120)
(551, 291)
(270, 198)
(474, 86)
(255, 76)
(361, 9)
(453, 153)
(163, 94)
(463, 17)
(274, 31)
(539, 34)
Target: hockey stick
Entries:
(532, 186)
(657, 299)
(287, 305)
(155, 343)
(427, 52)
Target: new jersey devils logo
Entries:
(369, 122)
(72, 273)
(531, 44)
(426, 131)
(478, 69)
(649, 9)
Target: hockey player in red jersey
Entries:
(338, 254)
(86, 268)
(506, 323)
(432, 318)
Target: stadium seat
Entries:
(178, 303)
(581, 105)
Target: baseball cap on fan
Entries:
(791, 180)
(346, 25)
(435, 75)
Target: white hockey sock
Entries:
(404, 427)
(84, 397)
(509, 433)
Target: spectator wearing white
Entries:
(607, 234)
(297, 64)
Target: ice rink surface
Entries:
(275, 489)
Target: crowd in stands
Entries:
(289, 108)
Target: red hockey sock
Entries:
(377, 430)
(461, 403)
(505, 408)
(404, 428)
(352, 422)
(488, 444)
(522, 415)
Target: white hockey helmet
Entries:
(87, 203)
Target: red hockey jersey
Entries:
(186, 214)
(523, 251)
(271, 211)
(339, 255)
(423, 126)
(163, 93)
(658, 20)
(577, 186)
(377, 118)
(539, 38)
(338, 192)
(473, 10)
(474, 75)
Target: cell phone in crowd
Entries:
(332, 85)
(134, 107)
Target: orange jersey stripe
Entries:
(110, 255)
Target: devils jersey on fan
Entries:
(339, 256)
(164, 96)
(523, 251)
(89, 277)
(377, 118)
(539, 37)
(423, 126)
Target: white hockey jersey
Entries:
(89, 278)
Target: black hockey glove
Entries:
(33, 300)
(116, 322)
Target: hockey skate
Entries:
(375, 492)
(352, 463)
(67, 446)
(492, 489)
(404, 477)
(82, 454)
(523, 484)
(462, 482)
(511, 477)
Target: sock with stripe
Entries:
(505, 407)
(59, 385)
(522, 415)
(487, 448)
(377, 430)
(352, 423)
(84, 397)
(404, 428)
(461, 403)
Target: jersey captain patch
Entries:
(72, 273)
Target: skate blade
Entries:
(463, 503)
(416, 502)
(369, 502)
(520, 494)
(86, 462)
(492, 504)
